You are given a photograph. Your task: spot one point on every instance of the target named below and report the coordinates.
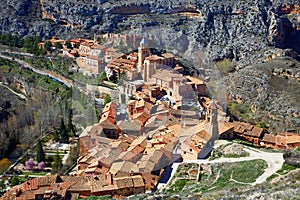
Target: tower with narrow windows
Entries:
(211, 120)
(143, 52)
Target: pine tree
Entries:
(63, 132)
(40, 154)
(57, 163)
(56, 136)
(71, 127)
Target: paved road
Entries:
(274, 161)
(27, 65)
(16, 52)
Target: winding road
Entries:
(22, 96)
(27, 65)
(274, 161)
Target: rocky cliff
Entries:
(248, 32)
(231, 29)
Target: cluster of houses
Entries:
(261, 138)
(89, 54)
(125, 156)
(74, 187)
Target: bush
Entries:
(239, 110)
(225, 66)
(14, 181)
(41, 166)
(4, 164)
(29, 165)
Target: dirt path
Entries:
(22, 96)
(274, 161)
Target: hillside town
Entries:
(170, 117)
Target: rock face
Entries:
(271, 95)
(246, 31)
(231, 29)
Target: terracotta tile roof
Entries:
(247, 129)
(84, 184)
(154, 58)
(136, 149)
(167, 75)
(130, 127)
(269, 138)
(225, 127)
(123, 166)
(280, 140)
(138, 181)
(110, 106)
(141, 141)
(293, 138)
(156, 156)
(96, 130)
(129, 167)
(109, 112)
(86, 131)
(106, 161)
(123, 182)
(170, 147)
(116, 166)
(70, 178)
(43, 186)
(86, 159)
(142, 117)
(127, 138)
(98, 182)
(48, 180)
(175, 128)
(91, 170)
(107, 124)
(146, 165)
(129, 156)
(120, 144)
(290, 137)
(202, 135)
(148, 105)
(255, 132)
(95, 163)
(28, 195)
(191, 145)
(33, 184)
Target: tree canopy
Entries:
(63, 132)
(40, 154)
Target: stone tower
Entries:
(143, 52)
(211, 120)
